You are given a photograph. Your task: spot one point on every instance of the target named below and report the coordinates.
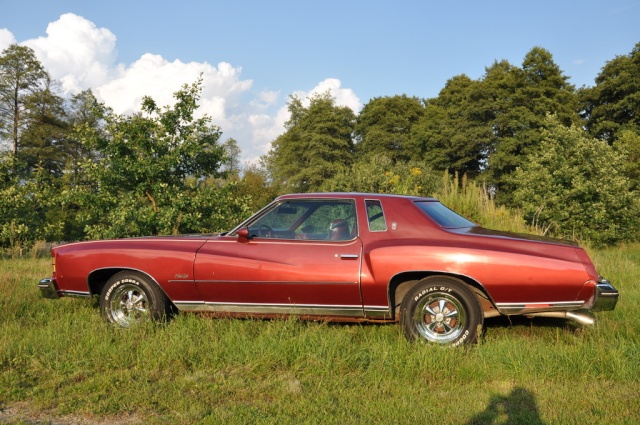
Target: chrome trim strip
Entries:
(375, 311)
(249, 308)
(76, 294)
(525, 308)
(267, 282)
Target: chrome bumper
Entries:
(605, 297)
(48, 288)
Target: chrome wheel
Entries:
(128, 305)
(440, 318)
(131, 297)
(441, 310)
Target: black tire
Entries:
(130, 297)
(441, 310)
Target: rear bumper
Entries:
(48, 288)
(605, 297)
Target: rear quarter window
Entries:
(443, 215)
(375, 216)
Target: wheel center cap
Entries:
(439, 317)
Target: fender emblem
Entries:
(181, 276)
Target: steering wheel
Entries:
(265, 231)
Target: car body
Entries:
(341, 257)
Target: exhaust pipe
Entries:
(582, 317)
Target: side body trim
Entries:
(528, 308)
(277, 309)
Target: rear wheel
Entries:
(129, 298)
(441, 310)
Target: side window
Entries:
(375, 215)
(308, 219)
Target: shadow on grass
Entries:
(519, 407)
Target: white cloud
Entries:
(81, 56)
(76, 53)
(344, 97)
(6, 38)
(154, 76)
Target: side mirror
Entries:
(243, 234)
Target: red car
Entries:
(345, 257)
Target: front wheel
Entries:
(129, 298)
(441, 310)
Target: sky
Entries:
(254, 54)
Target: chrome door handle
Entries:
(349, 256)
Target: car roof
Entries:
(351, 195)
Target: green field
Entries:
(59, 363)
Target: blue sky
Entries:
(254, 54)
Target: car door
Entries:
(302, 257)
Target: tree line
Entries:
(566, 157)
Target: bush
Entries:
(576, 184)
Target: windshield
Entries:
(443, 215)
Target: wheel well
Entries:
(401, 283)
(98, 278)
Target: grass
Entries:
(59, 363)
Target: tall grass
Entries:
(474, 201)
(60, 363)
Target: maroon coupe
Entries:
(340, 256)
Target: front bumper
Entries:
(605, 297)
(48, 288)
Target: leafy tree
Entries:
(151, 172)
(24, 206)
(573, 183)
(516, 102)
(628, 144)
(256, 185)
(231, 163)
(21, 75)
(43, 141)
(317, 144)
(451, 135)
(380, 174)
(83, 111)
(613, 104)
(384, 127)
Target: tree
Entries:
(148, 177)
(574, 183)
(43, 141)
(21, 75)
(317, 144)
(450, 135)
(24, 206)
(613, 104)
(231, 163)
(83, 111)
(256, 185)
(384, 127)
(521, 100)
(627, 143)
(380, 174)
